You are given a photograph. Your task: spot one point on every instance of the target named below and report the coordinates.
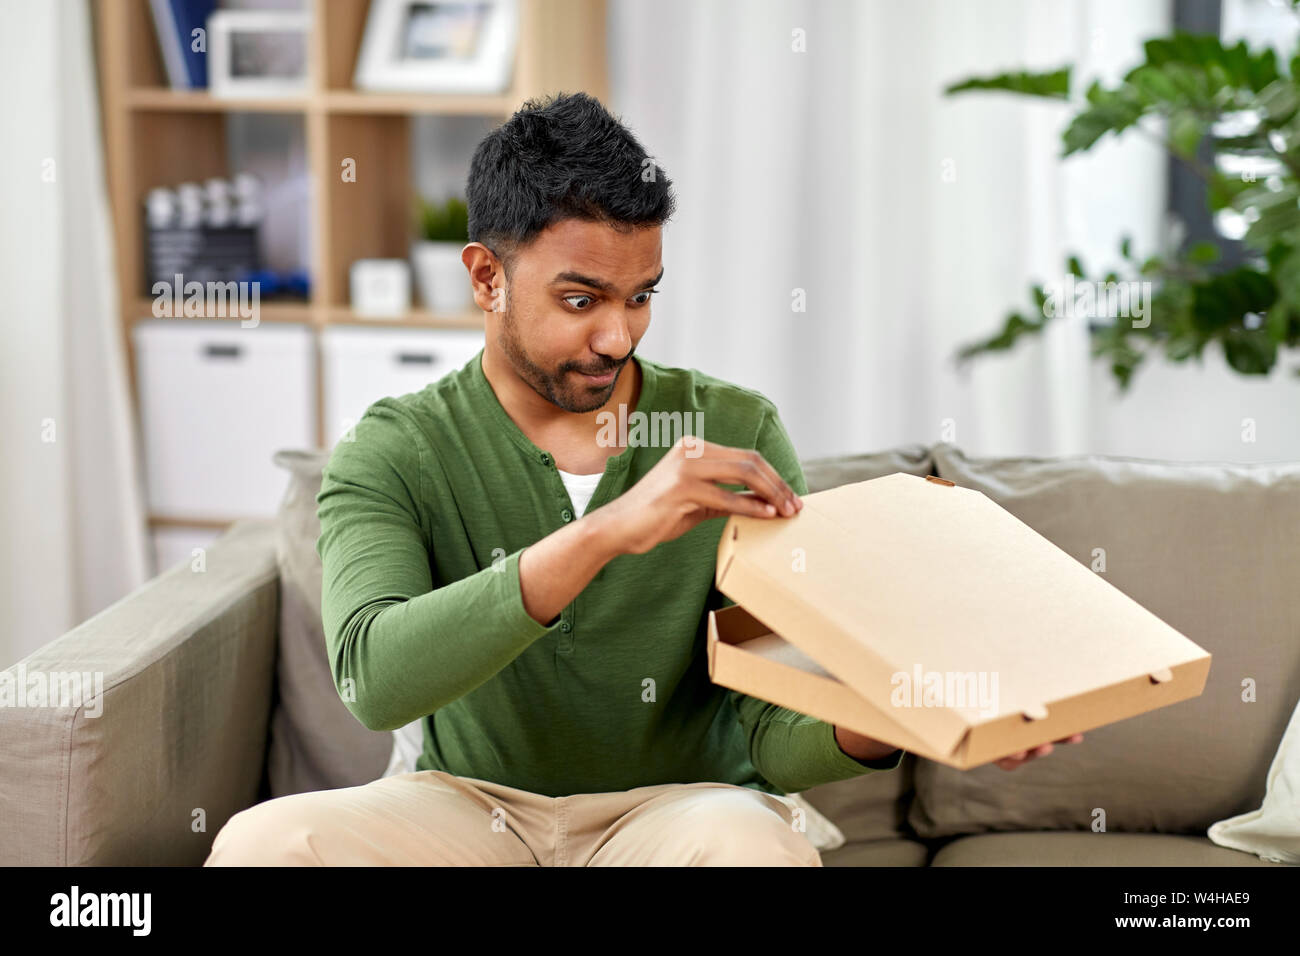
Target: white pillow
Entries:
(1273, 831)
(408, 741)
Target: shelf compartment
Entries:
(372, 217)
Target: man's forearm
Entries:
(554, 571)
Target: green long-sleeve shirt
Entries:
(424, 514)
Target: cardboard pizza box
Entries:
(925, 615)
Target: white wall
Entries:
(1199, 412)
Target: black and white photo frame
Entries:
(255, 53)
(438, 46)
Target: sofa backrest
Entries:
(315, 741)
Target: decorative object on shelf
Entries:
(189, 205)
(217, 203)
(258, 52)
(247, 194)
(443, 230)
(179, 25)
(381, 288)
(418, 46)
(205, 233)
(210, 233)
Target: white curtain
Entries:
(71, 503)
(913, 222)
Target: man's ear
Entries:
(487, 277)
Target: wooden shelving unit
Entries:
(156, 136)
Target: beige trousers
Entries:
(432, 818)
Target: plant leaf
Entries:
(1185, 133)
(1203, 253)
(1053, 85)
(1250, 351)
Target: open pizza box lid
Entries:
(925, 615)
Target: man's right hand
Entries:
(679, 492)
(682, 490)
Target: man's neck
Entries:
(570, 436)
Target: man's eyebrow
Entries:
(601, 284)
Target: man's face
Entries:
(577, 304)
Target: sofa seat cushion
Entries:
(1085, 848)
(893, 851)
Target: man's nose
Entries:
(612, 338)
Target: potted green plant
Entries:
(442, 230)
(1232, 115)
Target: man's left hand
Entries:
(1012, 761)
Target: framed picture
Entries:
(258, 52)
(438, 46)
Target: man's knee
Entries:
(272, 833)
(730, 829)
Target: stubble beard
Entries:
(555, 387)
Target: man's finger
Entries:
(1013, 760)
(734, 466)
(731, 502)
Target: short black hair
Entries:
(561, 157)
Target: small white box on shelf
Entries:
(361, 366)
(217, 401)
(380, 288)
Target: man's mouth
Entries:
(603, 378)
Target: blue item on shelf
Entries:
(298, 282)
(175, 22)
(295, 283)
(268, 282)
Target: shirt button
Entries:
(546, 459)
(566, 627)
(566, 514)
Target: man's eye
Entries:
(643, 298)
(569, 299)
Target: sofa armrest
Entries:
(162, 737)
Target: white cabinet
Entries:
(217, 401)
(361, 366)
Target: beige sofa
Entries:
(216, 691)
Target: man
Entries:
(495, 565)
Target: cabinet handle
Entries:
(416, 358)
(222, 351)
